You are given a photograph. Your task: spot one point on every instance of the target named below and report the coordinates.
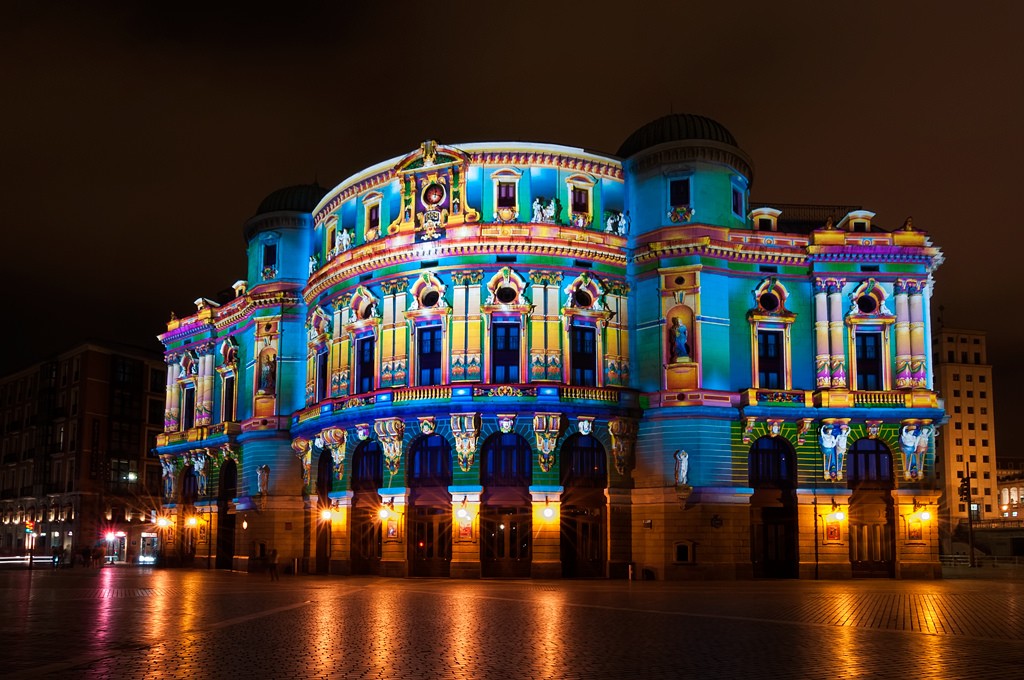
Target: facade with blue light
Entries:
(519, 359)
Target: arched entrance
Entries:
(872, 514)
(506, 515)
(584, 476)
(774, 524)
(227, 490)
(324, 484)
(365, 532)
(429, 474)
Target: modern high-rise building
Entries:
(967, 448)
(529, 359)
(77, 470)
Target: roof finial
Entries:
(830, 223)
(909, 224)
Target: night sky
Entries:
(135, 142)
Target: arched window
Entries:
(367, 472)
(771, 463)
(869, 464)
(430, 461)
(583, 462)
(506, 461)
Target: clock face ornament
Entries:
(433, 195)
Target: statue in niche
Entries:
(263, 479)
(549, 211)
(680, 342)
(682, 467)
(199, 465)
(342, 240)
(312, 264)
(538, 211)
(268, 374)
(624, 221)
(612, 223)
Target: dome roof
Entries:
(300, 198)
(675, 127)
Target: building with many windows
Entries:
(963, 376)
(527, 359)
(77, 472)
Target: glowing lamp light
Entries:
(192, 521)
(838, 516)
(384, 513)
(325, 514)
(548, 512)
(163, 522)
(463, 514)
(110, 536)
(925, 516)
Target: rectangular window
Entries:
(157, 380)
(366, 348)
(428, 357)
(950, 356)
(505, 353)
(507, 194)
(982, 378)
(737, 202)
(188, 408)
(580, 200)
(322, 375)
(583, 356)
(959, 457)
(970, 442)
(956, 393)
(977, 358)
(769, 360)
(970, 378)
(154, 412)
(764, 224)
(679, 193)
(373, 216)
(269, 255)
(229, 399)
(963, 360)
(956, 409)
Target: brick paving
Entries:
(140, 623)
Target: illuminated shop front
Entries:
(531, 360)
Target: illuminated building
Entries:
(519, 359)
(77, 432)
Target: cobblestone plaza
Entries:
(139, 623)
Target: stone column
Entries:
(838, 352)
(903, 353)
(918, 370)
(823, 376)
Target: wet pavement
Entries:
(150, 623)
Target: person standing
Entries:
(274, 576)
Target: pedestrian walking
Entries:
(274, 576)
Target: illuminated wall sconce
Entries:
(245, 524)
(463, 514)
(837, 515)
(922, 511)
(386, 509)
(192, 521)
(548, 511)
(325, 514)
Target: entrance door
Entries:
(366, 539)
(506, 540)
(582, 542)
(872, 535)
(431, 546)
(227, 490)
(775, 548)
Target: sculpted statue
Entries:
(682, 467)
(680, 344)
(538, 211)
(263, 479)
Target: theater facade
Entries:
(532, 360)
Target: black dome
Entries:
(675, 127)
(301, 198)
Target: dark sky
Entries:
(135, 142)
